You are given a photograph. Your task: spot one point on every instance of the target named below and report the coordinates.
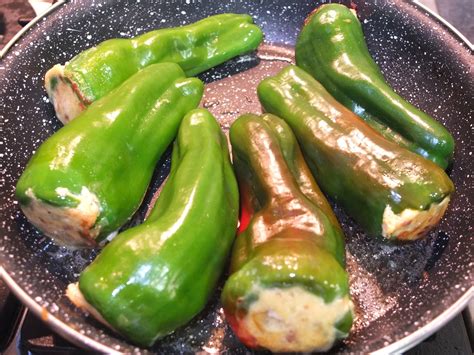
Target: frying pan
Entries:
(402, 293)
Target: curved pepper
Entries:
(196, 47)
(389, 190)
(288, 290)
(332, 48)
(157, 276)
(88, 178)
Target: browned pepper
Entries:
(389, 190)
(288, 290)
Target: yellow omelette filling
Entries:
(65, 100)
(412, 224)
(68, 226)
(293, 319)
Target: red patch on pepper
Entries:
(246, 210)
(245, 217)
(241, 332)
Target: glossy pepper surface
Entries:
(288, 290)
(88, 178)
(155, 277)
(196, 47)
(332, 48)
(389, 190)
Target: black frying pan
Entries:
(402, 293)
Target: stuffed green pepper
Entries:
(197, 47)
(155, 277)
(332, 48)
(87, 179)
(288, 290)
(389, 190)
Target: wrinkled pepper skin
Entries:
(387, 189)
(332, 48)
(289, 243)
(155, 277)
(103, 161)
(196, 47)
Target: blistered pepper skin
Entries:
(111, 149)
(155, 277)
(288, 236)
(195, 47)
(351, 162)
(332, 48)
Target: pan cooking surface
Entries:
(397, 289)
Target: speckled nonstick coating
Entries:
(400, 291)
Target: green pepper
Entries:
(88, 178)
(196, 47)
(157, 276)
(288, 290)
(331, 47)
(389, 190)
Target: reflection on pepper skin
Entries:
(352, 163)
(157, 276)
(290, 245)
(332, 48)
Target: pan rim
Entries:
(29, 25)
(444, 22)
(56, 324)
(86, 342)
